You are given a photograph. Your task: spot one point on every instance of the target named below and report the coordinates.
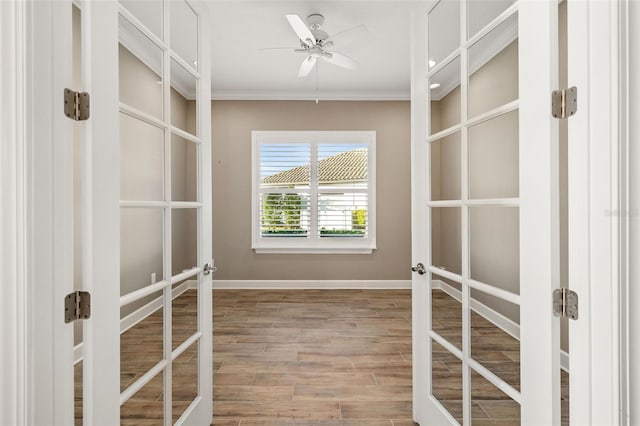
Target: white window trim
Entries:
(342, 245)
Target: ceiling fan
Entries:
(317, 44)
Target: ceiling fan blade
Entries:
(348, 36)
(341, 60)
(301, 29)
(307, 66)
(277, 48)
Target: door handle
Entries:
(419, 268)
(209, 268)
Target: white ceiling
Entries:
(241, 71)
(240, 29)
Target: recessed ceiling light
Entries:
(195, 63)
(431, 63)
(434, 86)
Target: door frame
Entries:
(631, 179)
(13, 229)
(36, 176)
(599, 261)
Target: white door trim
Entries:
(13, 226)
(35, 242)
(594, 211)
(631, 349)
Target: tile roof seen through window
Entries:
(346, 167)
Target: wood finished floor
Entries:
(318, 357)
(313, 357)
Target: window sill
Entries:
(311, 250)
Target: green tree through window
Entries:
(281, 214)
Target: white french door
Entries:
(485, 213)
(146, 212)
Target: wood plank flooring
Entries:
(318, 357)
(332, 357)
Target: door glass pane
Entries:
(140, 64)
(495, 334)
(184, 31)
(141, 160)
(183, 95)
(184, 240)
(446, 239)
(490, 405)
(184, 169)
(444, 30)
(495, 246)
(141, 247)
(145, 407)
(446, 380)
(184, 313)
(141, 343)
(149, 13)
(482, 12)
(184, 380)
(446, 309)
(493, 68)
(444, 92)
(445, 168)
(493, 158)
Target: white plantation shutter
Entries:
(314, 191)
(284, 201)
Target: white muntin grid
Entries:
(461, 53)
(167, 206)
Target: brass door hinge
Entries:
(76, 105)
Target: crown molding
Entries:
(219, 95)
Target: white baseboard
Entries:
(140, 314)
(505, 324)
(312, 284)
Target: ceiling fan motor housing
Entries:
(315, 23)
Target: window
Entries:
(313, 192)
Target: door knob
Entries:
(419, 268)
(209, 268)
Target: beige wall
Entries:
(232, 123)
